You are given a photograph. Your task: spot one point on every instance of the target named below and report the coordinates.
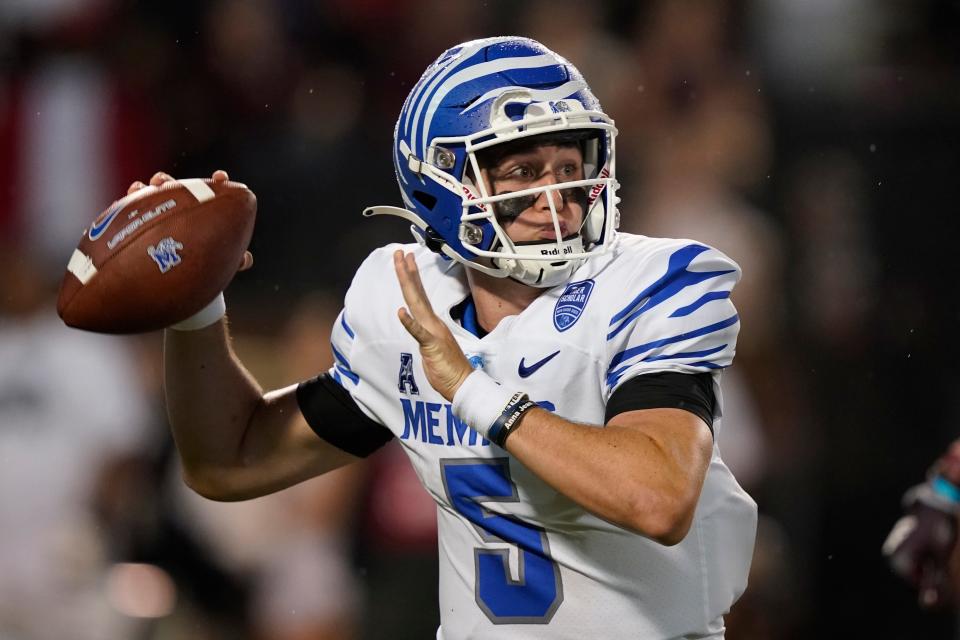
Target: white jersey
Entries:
(517, 559)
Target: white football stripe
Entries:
(200, 189)
(464, 54)
(472, 73)
(536, 95)
(81, 265)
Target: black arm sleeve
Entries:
(334, 415)
(692, 392)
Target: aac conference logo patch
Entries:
(571, 303)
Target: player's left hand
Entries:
(443, 360)
(920, 545)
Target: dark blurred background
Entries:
(815, 142)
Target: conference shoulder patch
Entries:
(571, 303)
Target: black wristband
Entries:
(509, 420)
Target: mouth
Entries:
(549, 232)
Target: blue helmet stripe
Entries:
(466, 75)
(416, 104)
(448, 65)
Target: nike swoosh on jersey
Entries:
(526, 371)
(97, 230)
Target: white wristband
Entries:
(480, 401)
(205, 317)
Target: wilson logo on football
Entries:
(165, 254)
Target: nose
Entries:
(554, 195)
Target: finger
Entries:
(159, 178)
(136, 186)
(246, 262)
(930, 585)
(414, 328)
(411, 287)
(928, 598)
(220, 176)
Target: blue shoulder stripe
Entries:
(343, 366)
(339, 357)
(675, 280)
(688, 354)
(708, 365)
(704, 299)
(343, 323)
(350, 374)
(627, 354)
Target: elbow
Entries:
(210, 484)
(667, 523)
(671, 532)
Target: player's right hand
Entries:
(160, 177)
(920, 544)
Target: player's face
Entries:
(530, 218)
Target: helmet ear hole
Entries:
(425, 199)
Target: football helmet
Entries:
(490, 92)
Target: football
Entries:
(157, 256)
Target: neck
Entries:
(497, 298)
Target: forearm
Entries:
(210, 398)
(617, 472)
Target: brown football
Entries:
(157, 256)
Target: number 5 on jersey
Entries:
(537, 593)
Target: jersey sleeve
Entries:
(677, 315)
(353, 326)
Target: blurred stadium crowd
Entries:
(815, 142)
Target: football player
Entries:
(555, 384)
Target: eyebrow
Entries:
(527, 154)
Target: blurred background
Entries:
(816, 142)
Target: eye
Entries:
(520, 171)
(570, 170)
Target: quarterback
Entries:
(555, 384)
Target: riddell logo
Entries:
(597, 188)
(556, 252)
(470, 196)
